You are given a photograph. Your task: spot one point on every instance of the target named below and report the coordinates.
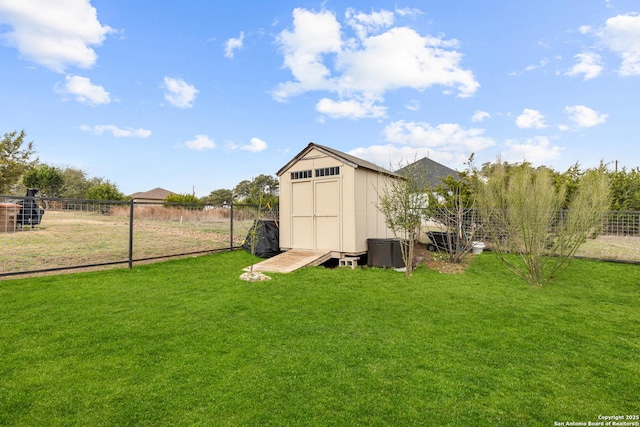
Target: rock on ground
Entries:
(254, 277)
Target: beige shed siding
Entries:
(311, 209)
(284, 225)
(349, 209)
(373, 222)
(335, 213)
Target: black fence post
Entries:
(131, 235)
(231, 228)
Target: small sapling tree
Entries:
(255, 232)
(402, 200)
(452, 208)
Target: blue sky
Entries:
(203, 94)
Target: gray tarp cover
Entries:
(267, 241)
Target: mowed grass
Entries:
(188, 343)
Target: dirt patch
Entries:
(438, 261)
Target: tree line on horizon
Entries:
(21, 169)
(624, 183)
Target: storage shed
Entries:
(328, 202)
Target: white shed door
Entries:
(315, 214)
(302, 228)
(327, 213)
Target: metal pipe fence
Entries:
(81, 234)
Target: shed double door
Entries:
(315, 215)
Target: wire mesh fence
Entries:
(72, 233)
(617, 238)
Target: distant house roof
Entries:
(344, 157)
(429, 170)
(155, 194)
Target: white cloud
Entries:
(584, 116)
(448, 143)
(201, 142)
(584, 29)
(55, 34)
(255, 145)
(621, 34)
(543, 63)
(535, 150)
(480, 116)
(313, 35)
(84, 91)
(179, 93)
(363, 23)
(408, 11)
(392, 156)
(447, 135)
(530, 119)
(413, 105)
(350, 109)
(232, 45)
(402, 58)
(379, 58)
(589, 65)
(116, 131)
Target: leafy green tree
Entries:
(183, 200)
(48, 179)
(459, 191)
(522, 212)
(15, 159)
(76, 183)
(570, 181)
(263, 188)
(105, 191)
(218, 197)
(625, 188)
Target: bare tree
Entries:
(402, 201)
(457, 220)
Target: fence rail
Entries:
(74, 234)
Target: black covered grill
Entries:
(30, 213)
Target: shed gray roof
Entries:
(339, 155)
(429, 170)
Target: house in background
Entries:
(430, 171)
(157, 195)
(328, 202)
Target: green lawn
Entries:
(187, 343)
